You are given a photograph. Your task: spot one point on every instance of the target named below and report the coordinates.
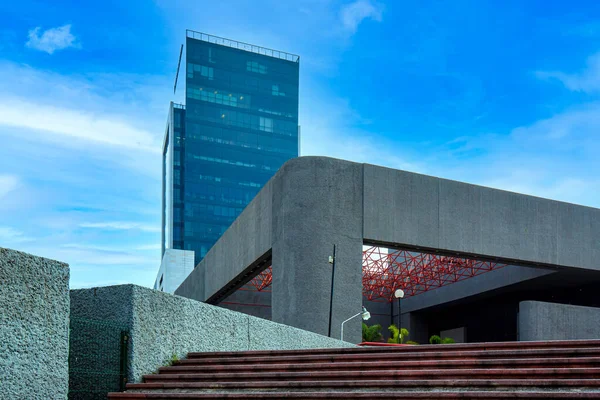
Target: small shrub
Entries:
(448, 340)
(398, 335)
(173, 359)
(371, 333)
(435, 339)
(411, 342)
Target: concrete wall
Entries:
(98, 316)
(161, 325)
(34, 327)
(550, 321)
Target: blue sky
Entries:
(503, 94)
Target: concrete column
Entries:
(417, 327)
(318, 202)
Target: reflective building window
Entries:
(239, 125)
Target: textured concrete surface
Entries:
(550, 321)
(162, 325)
(422, 211)
(98, 316)
(317, 203)
(34, 327)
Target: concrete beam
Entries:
(493, 280)
(550, 321)
(415, 210)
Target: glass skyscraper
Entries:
(238, 126)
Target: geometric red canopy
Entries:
(262, 280)
(385, 270)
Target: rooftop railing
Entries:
(242, 46)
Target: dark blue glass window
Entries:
(239, 126)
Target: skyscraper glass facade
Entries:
(240, 124)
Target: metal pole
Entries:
(342, 330)
(400, 319)
(331, 293)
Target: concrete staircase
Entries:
(532, 370)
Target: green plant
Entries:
(371, 333)
(411, 342)
(169, 362)
(398, 335)
(435, 339)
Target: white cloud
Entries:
(587, 80)
(112, 249)
(94, 127)
(11, 235)
(121, 225)
(52, 39)
(578, 126)
(354, 13)
(8, 183)
(554, 158)
(155, 246)
(330, 127)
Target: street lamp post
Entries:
(332, 262)
(365, 316)
(399, 294)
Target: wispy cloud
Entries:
(588, 80)
(8, 183)
(10, 235)
(52, 39)
(120, 249)
(578, 126)
(99, 128)
(354, 13)
(144, 247)
(331, 127)
(120, 226)
(555, 157)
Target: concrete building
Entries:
(175, 266)
(548, 252)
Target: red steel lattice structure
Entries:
(385, 270)
(263, 280)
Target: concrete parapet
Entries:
(34, 327)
